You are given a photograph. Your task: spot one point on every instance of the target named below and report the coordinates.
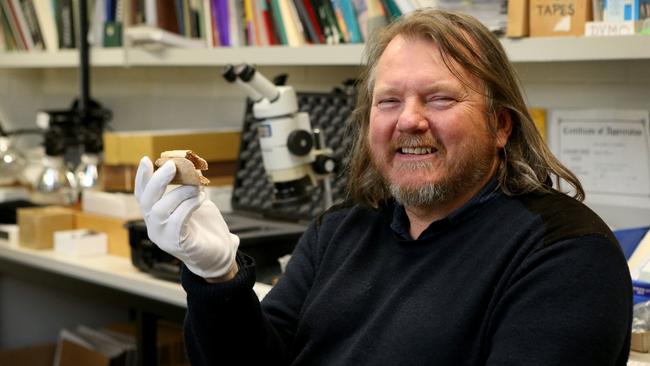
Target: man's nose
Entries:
(412, 117)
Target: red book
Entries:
(268, 24)
(314, 20)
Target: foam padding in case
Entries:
(253, 193)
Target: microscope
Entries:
(293, 154)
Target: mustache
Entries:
(416, 141)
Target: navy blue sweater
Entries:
(535, 279)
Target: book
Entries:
(187, 18)
(377, 17)
(361, 10)
(195, 18)
(351, 22)
(97, 21)
(340, 22)
(214, 18)
(261, 29)
(166, 16)
(151, 12)
(10, 16)
(310, 32)
(391, 9)
(236, 17)
(21, 22)
(3, 47)
(314, 21)
(292, 25)
(65, 25)
(266, 19)
(9, 39)
(221, 15)
(29, 14)
(404, 6)
(180, 17)
(46, 21)
(278, 20)
(249, 24)
(207, 23)
(330, 16)
(321, 16)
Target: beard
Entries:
(463, 175)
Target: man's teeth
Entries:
(416, 150)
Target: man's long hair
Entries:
(526, 164)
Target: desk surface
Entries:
(106, 270)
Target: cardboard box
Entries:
(118, 178)
(80, 243)
(73, 354)
(121, 178)
(119, 205)
(640, 342)
(36, 225)
(129, 147)
(518, 18)
(118, 236)
(559, 17)
(39, 355)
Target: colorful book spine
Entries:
(350, 18)
(249, 23)
(279, 21)
(310, 32)
(223, 22)
(314, 21)
(267, 20)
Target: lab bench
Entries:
(110, 279)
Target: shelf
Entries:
(555, 49)
(63, 58)
(106, 270)
(551, 49)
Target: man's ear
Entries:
(504, 127)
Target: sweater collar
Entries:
(400, 223)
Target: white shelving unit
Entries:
(549, 49)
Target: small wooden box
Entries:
(36, 225)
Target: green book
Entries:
(113, 34)
(279, 23)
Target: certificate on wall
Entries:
(609, 151)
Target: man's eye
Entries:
(442, 101)
(387, 103)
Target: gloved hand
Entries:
(184, 223)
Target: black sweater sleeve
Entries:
(226, 324)
(568, 304)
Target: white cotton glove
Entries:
(184, 223)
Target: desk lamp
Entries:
(79, 127)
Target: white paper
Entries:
(608, 150)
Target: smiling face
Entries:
(428, 133)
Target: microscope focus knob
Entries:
(324, 164)
(300, 142)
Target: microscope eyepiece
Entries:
(228, 73)
(245, 72)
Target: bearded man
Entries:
(454, 248)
